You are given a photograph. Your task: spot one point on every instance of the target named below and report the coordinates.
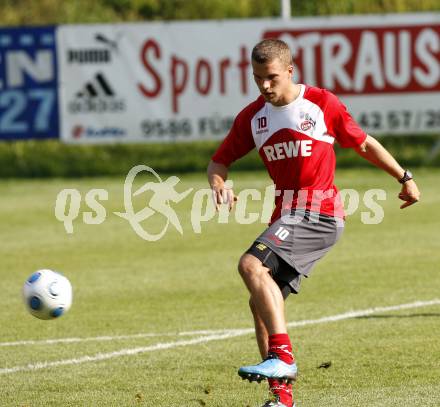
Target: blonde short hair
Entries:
(270, 49)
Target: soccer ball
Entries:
(47, 294)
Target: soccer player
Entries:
(293, 126)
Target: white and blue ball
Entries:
(47, 294)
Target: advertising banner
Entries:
(28, 83)
(187, 80)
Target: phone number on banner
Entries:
(400, 120)
(186, 128)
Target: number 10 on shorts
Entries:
(282, 233)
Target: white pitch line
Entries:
(122, 352)
(363, 313)
(112, 338)
(349, 314)
(87, 339)
(214, 336)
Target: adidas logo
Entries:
(97, 96)
(98, 87)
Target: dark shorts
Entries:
(292, 245)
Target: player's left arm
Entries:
(377, 154)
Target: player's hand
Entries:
(409, 193)
(223, 194)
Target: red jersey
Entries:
(295, 142)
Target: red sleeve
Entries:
(239, 140)
(343, 127)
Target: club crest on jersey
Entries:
(307, 122)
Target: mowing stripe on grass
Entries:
(213, 336)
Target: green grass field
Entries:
(125, 286)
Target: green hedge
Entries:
(19, 12)
(54, 159)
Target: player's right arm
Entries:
(221, 193)
(237, 143)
